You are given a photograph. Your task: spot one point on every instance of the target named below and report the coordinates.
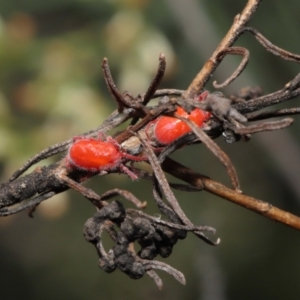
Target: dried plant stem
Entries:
(234, 51)
(263, 208)
(256, 205)
(216, 150)
(273, 114)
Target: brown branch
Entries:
(263, 208)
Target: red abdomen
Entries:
(93, 155)
(168, 129)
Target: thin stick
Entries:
(121, 101)
(265, 126)
(272, 48)
(234, 51)
(156, 80)
(272, 114)
(263, 208)
(168, 192)
(216, 150)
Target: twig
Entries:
(265, 126)
(216, 150)
(267, 100)
(233, 51)
(273, 114)
(263, 208)
(121, 101)
(168, 192)
(271, 47)
(156, 80)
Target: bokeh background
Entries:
(51, 88)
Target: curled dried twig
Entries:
(217, 151)
(286, 55)
(168, 192)
(233, 51)
(154, 236)
(164, 267)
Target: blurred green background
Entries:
(51, 88)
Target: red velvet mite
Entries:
(168, 129)
(95, 155)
